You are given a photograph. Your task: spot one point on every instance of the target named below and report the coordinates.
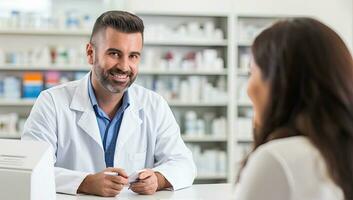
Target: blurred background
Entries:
(196, 55)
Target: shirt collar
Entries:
(126, 99)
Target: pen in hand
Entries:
(111, 173)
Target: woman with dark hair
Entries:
(301, 86)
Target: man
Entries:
(104, 123)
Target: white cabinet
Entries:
(32, 60)
(189, 55)
(197, 62)
(186, 59)
(246, 29)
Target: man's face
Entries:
(115, 57)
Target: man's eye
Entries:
(114, 54)
(133, 56)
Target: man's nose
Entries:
(124, 64)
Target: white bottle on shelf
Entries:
(195, 89)
(184, 91)
(200, 123)
(44, 58)
(2, 57)
(218, 34)
(14, 19)
(222, 161)
(208, 119)
(244, 62)
(209, 30)
(190, 123)
(12, 88)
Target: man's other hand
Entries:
(105, 185)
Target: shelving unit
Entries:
(16, 102)
(246, 29)
(30, 102)
(183, 45)
(45, 32)
(66, 67)
(230, 47)
(77, 38)
(204, 139)
(184, 42)
(27, 67)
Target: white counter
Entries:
(196, 192)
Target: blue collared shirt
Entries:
(108, 128)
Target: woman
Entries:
(301, 86)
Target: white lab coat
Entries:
(149, 136)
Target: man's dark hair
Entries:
(119, 20)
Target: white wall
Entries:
(181, 5)
(336, 13)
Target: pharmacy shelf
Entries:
(85, 33)
(10, 136)
(186, 139)
(244, 104)
(204, 139)
(245, 140)
(16, 102)
(182, 72)
(187, 42)
(79, 67)
(225, 47)
(243, 73)
(44, 67)
(49, 32)
(180, 13)
(244, 44)
(30, 102)
(196, 104)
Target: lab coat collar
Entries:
(81, 103)
(80, 100)
(88, 121)
(99, 112)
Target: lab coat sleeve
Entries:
(41, 125)
(173, 159)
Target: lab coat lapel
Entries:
(81, 103)
(88, 123)
(130, 123)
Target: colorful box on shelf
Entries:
(52, 78)
(32, 84)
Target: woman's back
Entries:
(287, 169)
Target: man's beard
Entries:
(112, 85)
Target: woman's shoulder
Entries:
(287, 145)
(291, 153)
(302, 164)
(292, 164)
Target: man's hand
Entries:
(149, 182)
(104, 185)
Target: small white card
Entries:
(134, 176)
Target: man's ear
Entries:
(89, 53)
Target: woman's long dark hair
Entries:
(310, 71)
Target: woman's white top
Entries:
(286, 169)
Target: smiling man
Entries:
(104, 127)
